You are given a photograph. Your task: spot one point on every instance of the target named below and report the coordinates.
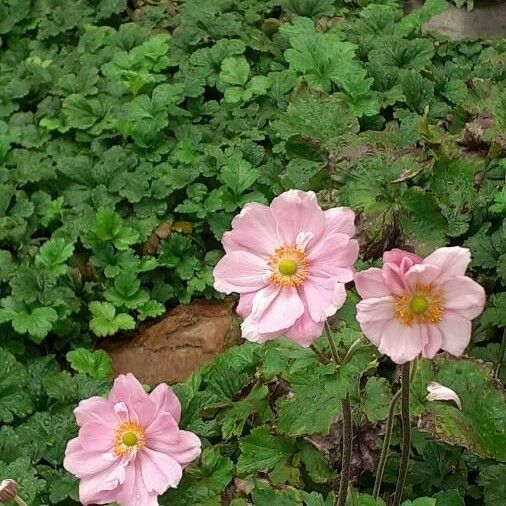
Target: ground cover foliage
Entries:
(130, 134)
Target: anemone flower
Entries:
(129, 449)
(288, 262)
(414, 306)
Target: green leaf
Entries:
(421, 501)
(35, 322)
(323, 119)
(127, 292)
(233, 419)
(110, 227)
(491, 478)
(377, 397)
(96, 363)
(53, 254)
(26, 475)
(14, 396)
(261, 451)
(239, 176)
(106, 322)
(203, 481)
(235, 70)
(418, 17)
(449, 498)
(177, 252)
(315, 463)
(481, 425)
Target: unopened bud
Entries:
(8, 491)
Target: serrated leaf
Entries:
(97, 364)
(106, 322)
(14, 396)
(261, 451)
(481, 424)
(53, 254)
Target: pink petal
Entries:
(333, 256)
(133, 491)
(283, 311)
(128, 390)
(95, 409)
(181, 445)
(240, 271)
(249, 331)
(159, 471)
(370, 283)
(304, 331)
(261, 301)
(432, 340)
(297, 211)
(340, 220)
(254, 229)
(451, 261)
(166, 401)
(401, 343)
(323, 297)
(395, 279)
(396, 256)
(373, 315)
(90, 492)
(96, 437)
(456, 331)
(464, 296)
(81, 462)
(245, 305)
(421, 274)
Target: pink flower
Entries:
(289, 262)
(129, 448)
(416, 306)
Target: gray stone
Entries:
(487, 19)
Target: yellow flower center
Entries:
(129, 436)
(289, 266)
(426, 305)
(418, 304)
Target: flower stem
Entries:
(351, 350)
(321, 357)
(332, 345)
(406, 434)
(20, 501)
(346, 453)
(386, 445)
(502, 351)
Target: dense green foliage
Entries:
(129, 137)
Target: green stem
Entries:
(20, 501)
(406, 435)
(351, 350)
(386, 445)
(332, 345)
(502, 351)
(346, 453)
(321, 357)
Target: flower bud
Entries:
(8, 491)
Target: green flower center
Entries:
(287, 267)
(418, 304)
(130, 439)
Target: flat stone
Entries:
(174, 347)
(487, 19)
